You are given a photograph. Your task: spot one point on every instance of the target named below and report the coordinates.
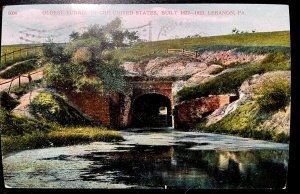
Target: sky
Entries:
(23, 24)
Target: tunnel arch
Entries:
(151, 110)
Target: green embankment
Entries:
(138, 51)
(58, 123)
(230, 82)
(18, 56)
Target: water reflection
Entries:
(150, 159)
(178, 167)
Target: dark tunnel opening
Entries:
(151, 110)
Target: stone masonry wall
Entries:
(93, 105)
(188, 113)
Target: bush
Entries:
(52, 108)
(281, 137)
(274, 94)
(63, 76)
(19, 69)
(7, 102)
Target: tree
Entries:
(85, 65)
(74, 36)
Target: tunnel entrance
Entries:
(152, 110)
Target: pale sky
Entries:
(34, 23)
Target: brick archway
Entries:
(151, 110)
(139, 88)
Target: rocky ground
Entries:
(278, 122)
(188, 72)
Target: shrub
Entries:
(50, 107)
(274, 94)
(7, 102)
(281, 137)
(63, 76)
(82, 55)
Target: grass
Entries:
(19, 69)
(217, 70)
(75, 135)
(52, 108)
(11, 62)
(10, 48)
(253, 49)
(138, 51)
(17, 56)
(24, 88)
(21, 133)
(244, 121)
(59, 137)
(231, 81)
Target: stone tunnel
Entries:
(145, 104)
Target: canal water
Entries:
(153, 159)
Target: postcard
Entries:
(145, 96)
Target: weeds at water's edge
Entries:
(59, 137)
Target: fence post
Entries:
(10, 85)
(19, 80)
(4, 58)
(26, 52)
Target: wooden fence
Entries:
(19, 78)
(23, 52)
(192, 54)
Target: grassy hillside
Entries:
(231, 81)
(18, 56)
(10, 48)
(138, 51)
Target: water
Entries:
(153, 159)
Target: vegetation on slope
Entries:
(7, 102)
(19, 69)
(247, 120)
(231, 81)
(17, 55)
(19, 133)
(141, 50)
(48, 107)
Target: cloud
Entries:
(37, 17)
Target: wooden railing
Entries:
(20, 52)
(192, 54)
(19, 78)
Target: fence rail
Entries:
(21, 52)
(192, 54)
(19, 78)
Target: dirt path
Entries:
(35, 75)
(25, 100)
